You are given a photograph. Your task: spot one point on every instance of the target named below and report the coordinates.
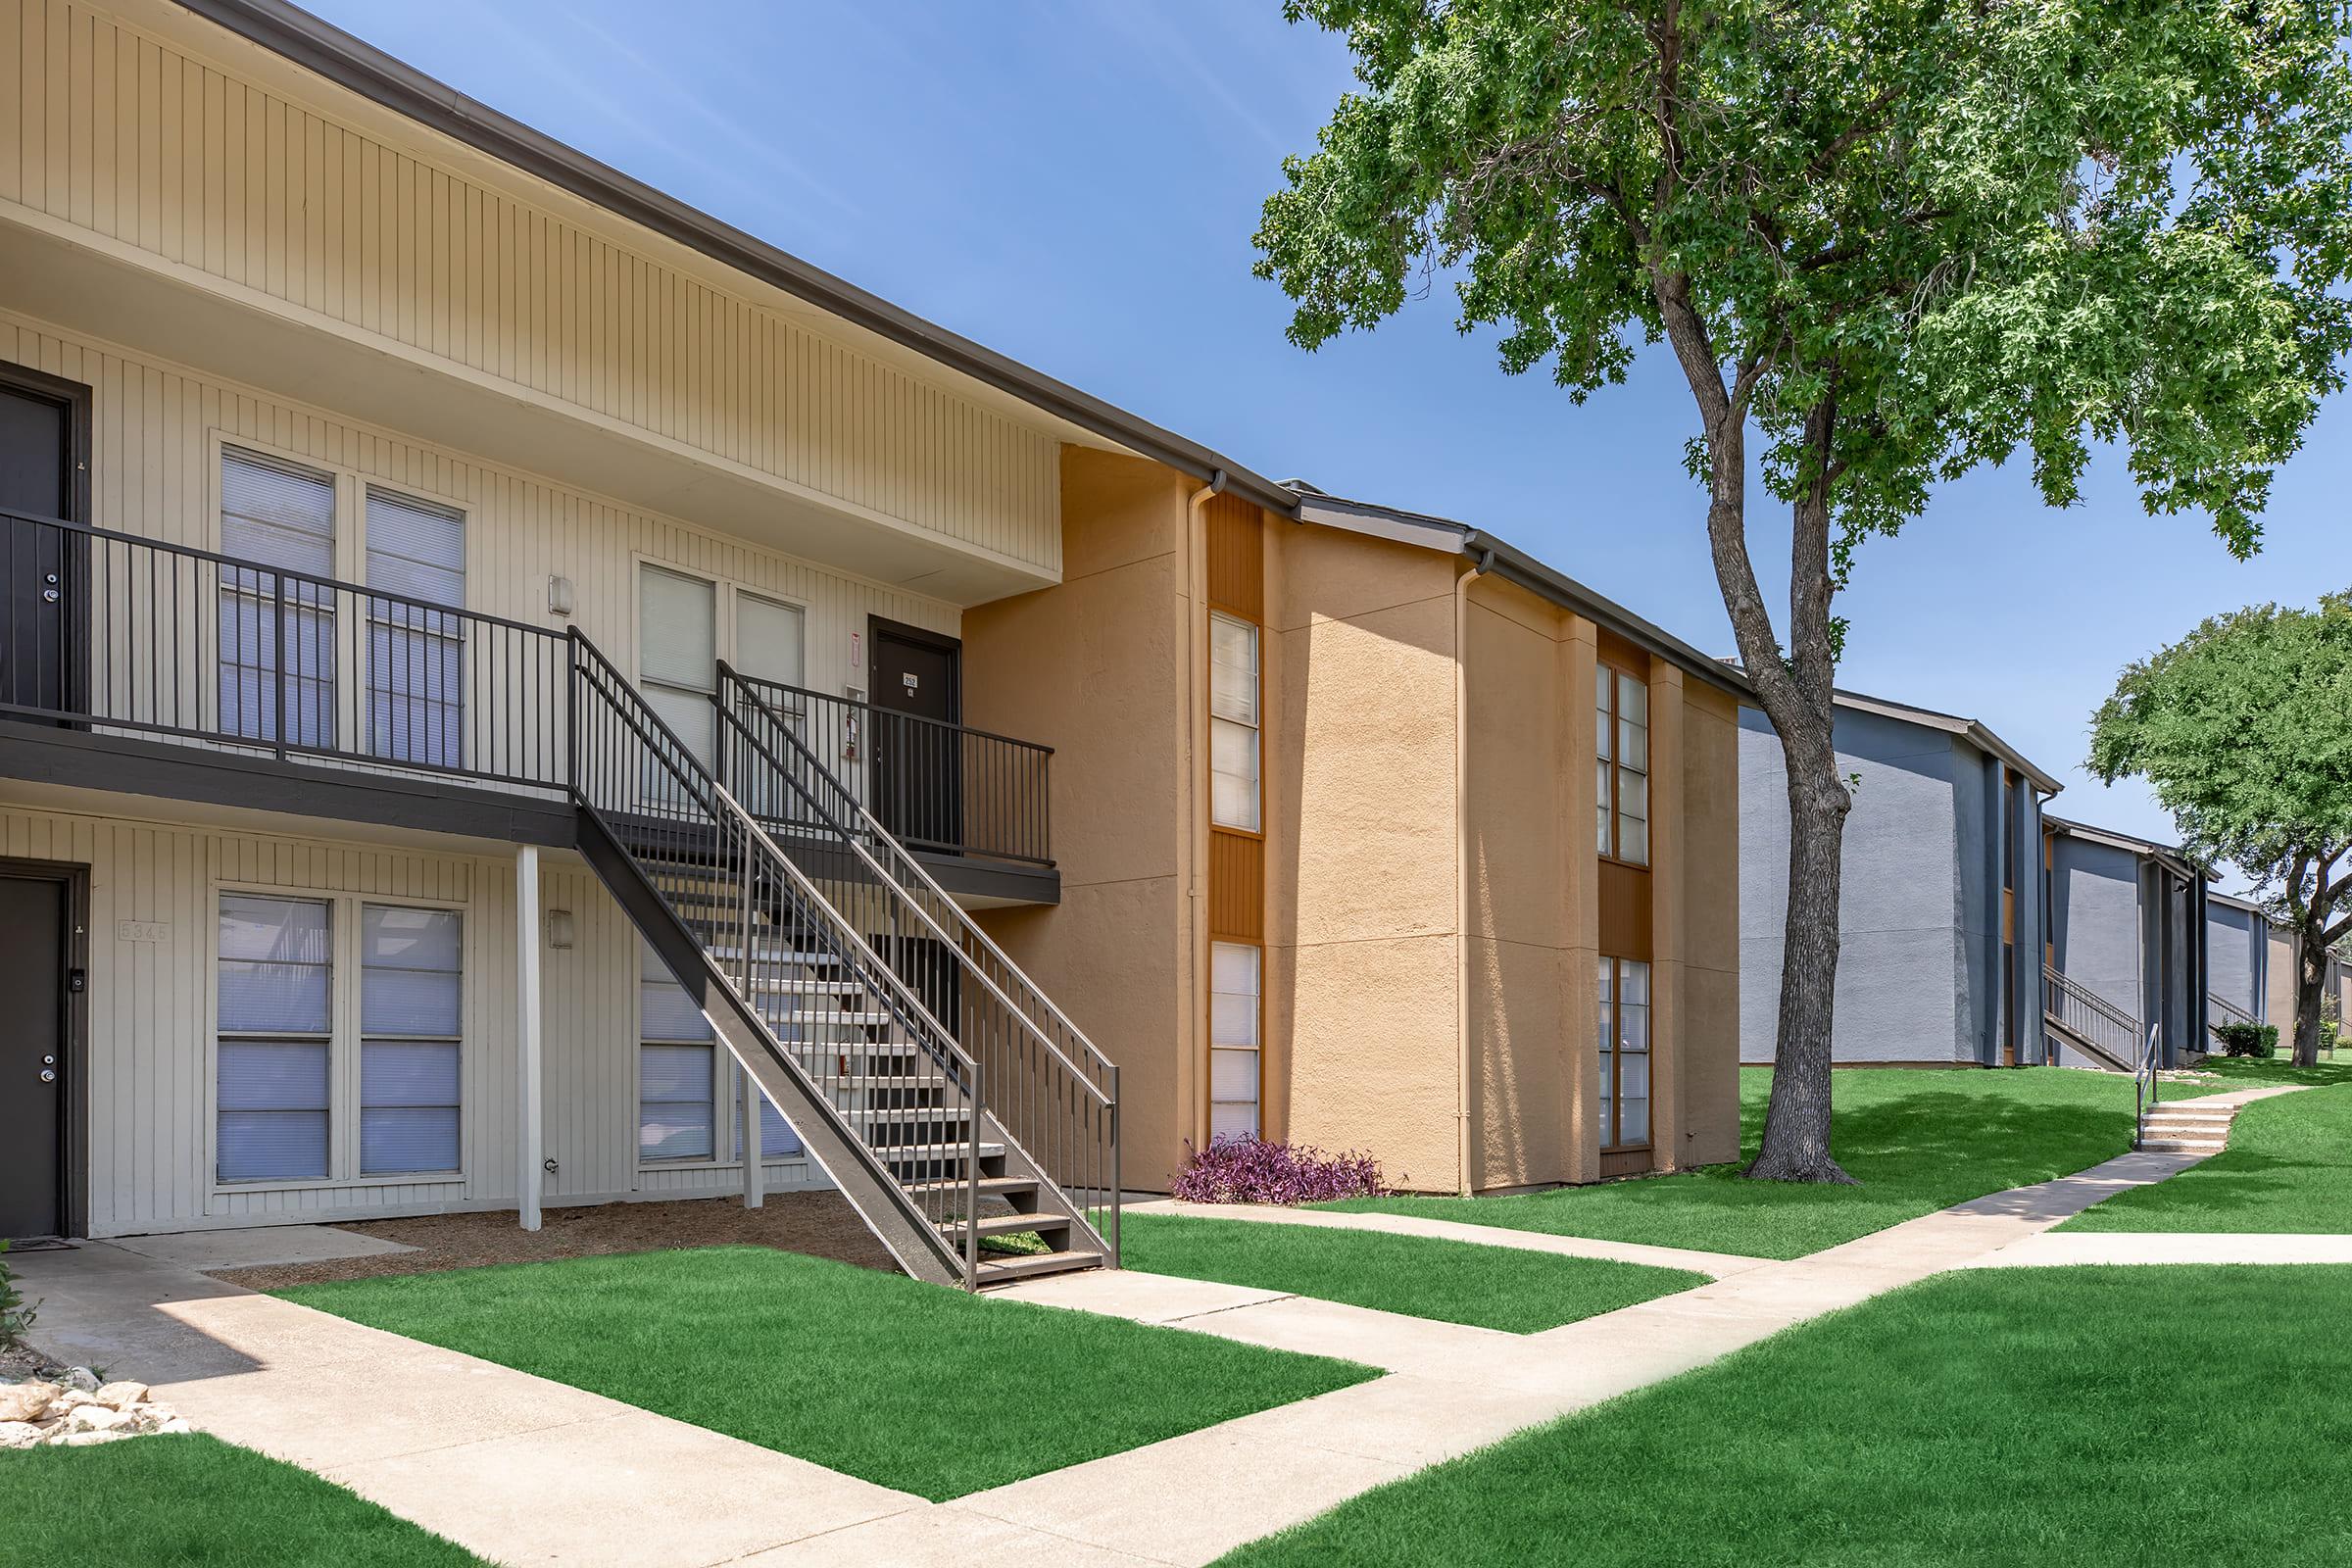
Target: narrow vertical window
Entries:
(1623, 1047)
(1233, 707)
(275, 985)
(277, 631)
(1233, 1058)
(676, 1068)
(1621, 769)
(678, 659)
(777, 1140)
(412, 986)
(415, 653)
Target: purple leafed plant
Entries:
(1247, 1171)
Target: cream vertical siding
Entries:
(124, 135)
(149, 1063)
(157, 429)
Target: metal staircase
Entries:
(818, 952)
(2093, 1025)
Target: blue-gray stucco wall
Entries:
(1919, 936)
(2237, 943)
(2094, 905)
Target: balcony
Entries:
(134, 666)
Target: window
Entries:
(281, 517)
(677, 657)
(1624, 1035)
(770, 645)
(416, 654)
(1233, 722)
(777, 1140)
(1621, 771)
(412, 986)
(277, 1033)
(1233, 1054)
(676, 1068)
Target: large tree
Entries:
(2244, 730)
(1890, 240)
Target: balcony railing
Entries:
(932, 785)
(122, 634)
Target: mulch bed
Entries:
(818, 1223)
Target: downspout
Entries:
(1480, 566)
(1195, 715)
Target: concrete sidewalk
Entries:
(1714, 1264)
(2075, 1248)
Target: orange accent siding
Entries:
(1624, 910)
(1236, 557)
(1236, 887)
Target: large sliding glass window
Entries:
(676, 1069)
(1624, 1105)
(1621, 777)
(1234, 1075)
(276, 989)
(415, 654)
(1233, 706)
(280, 516)
(412, 994)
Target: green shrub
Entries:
(2248, 1039)
(16, 1312)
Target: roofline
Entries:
(352, 62)
(2232, 902)
(1515, 565)
(2172, 853)
(1952, 723)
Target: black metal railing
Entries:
(2090, 1018)
(117, 633)
(1055, 1094)
(932, 785)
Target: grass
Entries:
(2288, 1167)
(1916, 1140)
(1455, 1281)
(926, 1390)
(1989, 1417)
(2257, 1072)
(179, 1501)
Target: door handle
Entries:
(48, 1076)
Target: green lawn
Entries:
(926, 1390)
(2256, 1072)
(1455, 1281)
(1992, 1417)
(1917, 1140)
(180, 1501)
(2288, 1167)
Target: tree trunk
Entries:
(1796, 1123)
(2310, 981)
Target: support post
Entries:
(532, 1175)
(755, 1168)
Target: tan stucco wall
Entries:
(1095, 669)
(1360, 808)
(1707, 1026)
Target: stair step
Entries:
(1009, 1224)
(998, 1271)
(2181, 1146)
(779, 1017)
(730, 952)
(1005, 1187)
(907, 1115)
(901, 1153)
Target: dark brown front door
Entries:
(33, 1057)
(917, 753)
(37, 431)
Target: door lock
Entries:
(48, 1061)
(47, 1076)
(48, 596)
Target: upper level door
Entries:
(38, 440)
(917, 752)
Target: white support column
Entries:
(755, 1168)
(527, 940)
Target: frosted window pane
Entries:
(272, 1075)
(273, 998)
(677, 634)
(406, 1001)
(670, 1014)
(272, 1146)
(674, 1118)
(394, 1139)
(1632, 1121)
(1233, 1076)
(1233, 1020)
(1633, 746)
(1632, 700)
(675, 1074)
(674, 1132)
(1609, 978)
(278, 513)
(416, 548)
(1633, 841)
(394, 938)
(288, 930)
(1232, 670)
(1227, 1123)
(1633, 1076)
(777, 1140)
(272, 1110)
(769, 640)
(1636, 981)
(693, 719)
(1232, 766)
(1633, 1027)
(1633, 796)
(1233, 968)
(401, 1072)
(1601, 678)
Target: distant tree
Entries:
(2244, 730)
(1894, 239)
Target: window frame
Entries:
(360, 968)
(1616, 764)
(344, 1040)
(451, 633)
(1255, 724)
(1257, 1049)
(1610, 1047)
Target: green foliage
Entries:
(1960, 231)
(16, 1312)
(2243, 728)
(2248, 1039)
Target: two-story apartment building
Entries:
(517, 693)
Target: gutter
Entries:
(294, 34)
(1197, 806)
(1480, 566)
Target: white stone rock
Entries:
(83, 1439)
(97, 1418)
(82, 1378)
(69, 1399)
(19, 1434)
(120, 1396)
(175, 1427)
(27, 1401)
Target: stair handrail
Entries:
(2232, 1011)
(592, 669)
(871, 832)
(2110, 1031)
(2145, 1081)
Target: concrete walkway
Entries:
(2073, 1248)
(1713, 1264)
(523, 1470)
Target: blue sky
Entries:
(1074, 183)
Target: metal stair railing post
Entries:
(2146, 1090)
(737, 842)
(1059, 1145)
(2090, 1016)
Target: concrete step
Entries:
(1047, 1225)
(1003, 1271)
(2183, 1146)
